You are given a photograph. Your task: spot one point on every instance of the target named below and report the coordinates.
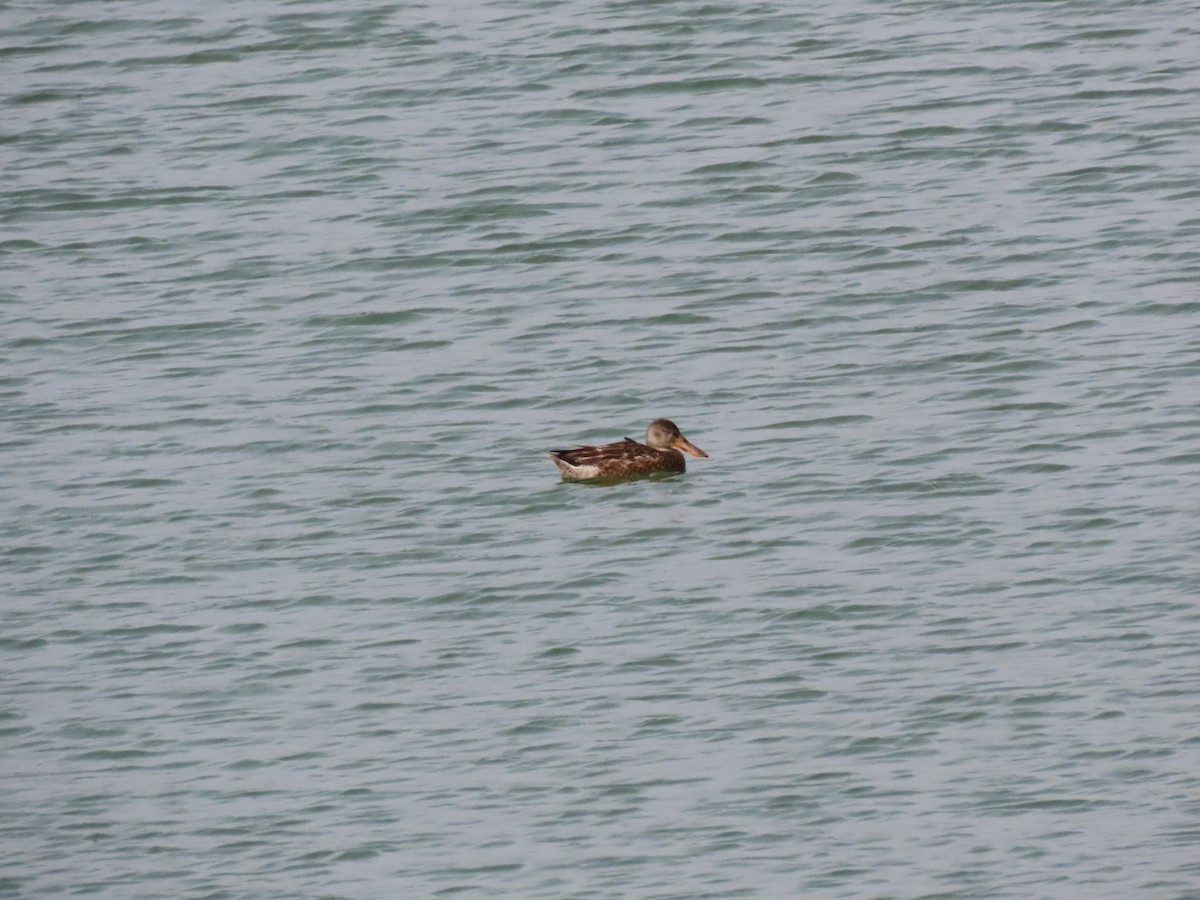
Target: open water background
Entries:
(293, 297)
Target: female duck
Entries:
(660, 453)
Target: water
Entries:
(296, 295)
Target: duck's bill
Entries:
(688, 447)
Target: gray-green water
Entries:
(294, 297)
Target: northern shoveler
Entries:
(628, 457)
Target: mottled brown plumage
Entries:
(628, 457)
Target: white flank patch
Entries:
(579, 472)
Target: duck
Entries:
(621, 459)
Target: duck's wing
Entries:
(597, 455)
(627, 457)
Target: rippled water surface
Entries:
(294, 296)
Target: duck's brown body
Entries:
(628, 457)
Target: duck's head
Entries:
(663, 434)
